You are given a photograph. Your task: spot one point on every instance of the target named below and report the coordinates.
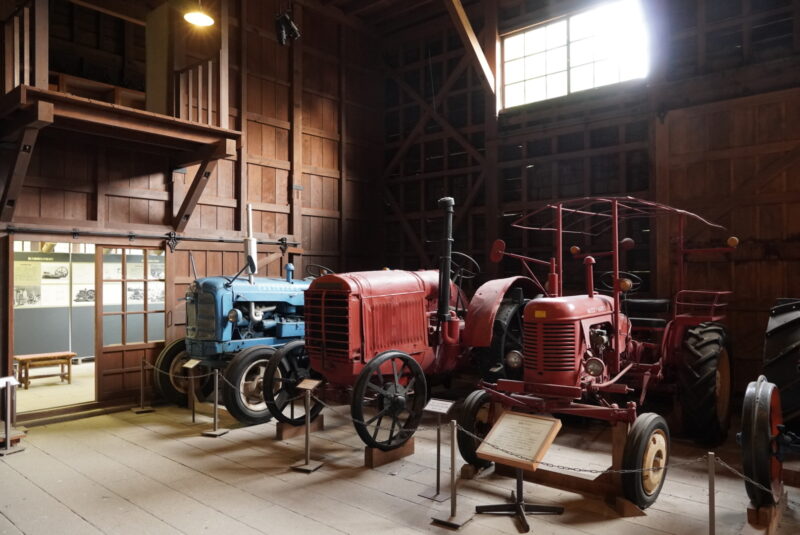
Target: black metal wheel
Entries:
(646, 449)
(172, 380)
(243, 393)
(477, 418)
(286, 369)
(782, 356)
(503, 359)
(761, 462)
(705, 383)
(388, 400)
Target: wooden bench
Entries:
(40, 360)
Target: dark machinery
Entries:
(771, 409)
(583, 356)
(234, 325)
(385, 335)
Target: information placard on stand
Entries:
(526, 436)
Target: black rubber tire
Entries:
(644, 431)
(165, 384)
(241, 364)
(477, 401)
(291, 364)
(782, 356)
(704, 403)
(759, 425)
(506, 337)
(409, 427)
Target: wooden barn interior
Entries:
(140, 146)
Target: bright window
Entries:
(602, 46)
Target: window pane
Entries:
(535, 41)
(606, 72)
(515, 95)
(535, 66)
(112, 330)
(582, 78)
(134, 328)
(135, 296)
(581, 26)
(581, 52)
(556, 34)
(515, 71)
(155, 296)
(536, 89)
(557, 60)
(155, 265)
(134, 264)
(155, 327)
(514, 47)
(556, 85)
(112, 264)
(112, 296)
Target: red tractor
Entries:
(386, 334)
(584, 356)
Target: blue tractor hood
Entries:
(264, 289)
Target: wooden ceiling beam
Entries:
(470, 41)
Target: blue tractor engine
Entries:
(234, 325)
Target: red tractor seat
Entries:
(651, 323)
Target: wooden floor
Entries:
(153, 473)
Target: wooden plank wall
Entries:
(738, 161)
(333, 75)
(601, 142)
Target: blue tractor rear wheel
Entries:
(171, 379)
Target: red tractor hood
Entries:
(567, 308)
(381, 283)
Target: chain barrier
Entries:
(169, 374)
(742, 476)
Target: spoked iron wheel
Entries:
(243, 393)
(388, 400)
(761, 416)
(286, 369)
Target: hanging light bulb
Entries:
(198, 17)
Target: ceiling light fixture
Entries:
(198, 16)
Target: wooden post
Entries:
(491, 46)
(159, 60)
(343, 200)
(223, 104)
(296, 140)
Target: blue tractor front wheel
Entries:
(243, 393)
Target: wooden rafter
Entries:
(199, 184)
(40, 116)
(470, 41)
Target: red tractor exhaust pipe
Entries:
(443, 311)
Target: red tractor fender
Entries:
(484, 304)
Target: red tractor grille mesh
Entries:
(550, 347)
(327, 323)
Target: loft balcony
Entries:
(183, 113)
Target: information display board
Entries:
(526, 436)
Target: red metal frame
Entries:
(630, 364)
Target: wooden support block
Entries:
(374, 457)
(791, 477)
(284, 431)
(768, 517)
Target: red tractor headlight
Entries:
(594, 366)
(514, 359)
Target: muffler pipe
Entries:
(443, 311)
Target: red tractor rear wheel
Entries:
(705, 383)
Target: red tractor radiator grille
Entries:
(550, 347)
(327, 323)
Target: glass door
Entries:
(130, 321)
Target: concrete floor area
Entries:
(49, 392)
(154, 473)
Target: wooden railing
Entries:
(197, 93)
(25, 46)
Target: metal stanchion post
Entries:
(8, 383)
(711, 491)
(141, 409)
(439, 407)
(308, 466)
(192, 395)
(216, 431)
(453, 520)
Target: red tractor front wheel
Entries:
(705, 383)
(475, 417)
(646, 455)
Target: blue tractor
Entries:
(235, 325)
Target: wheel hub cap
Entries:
(655, 458)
